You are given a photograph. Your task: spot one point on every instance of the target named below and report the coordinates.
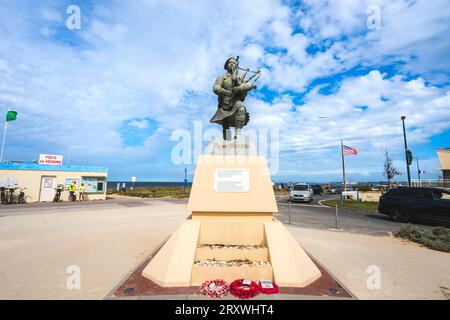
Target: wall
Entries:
(259, 198)
(370, 196)
(444, 158)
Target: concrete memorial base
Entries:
(232, 233)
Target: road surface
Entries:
(321, 217)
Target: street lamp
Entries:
(407, 152)
(342, 151)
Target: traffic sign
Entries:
(409, 157)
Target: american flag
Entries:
(350, 150)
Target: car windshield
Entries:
(301, 187)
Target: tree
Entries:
(389, 170)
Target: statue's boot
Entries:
(238, 131)
(226, 134)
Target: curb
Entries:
(111, 296)
(196, 297)
(354, 297)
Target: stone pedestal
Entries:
(233, 147)
(232, 202)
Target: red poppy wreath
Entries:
(268, 287)
(244, 289)
(215, 288)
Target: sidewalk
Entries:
(407, 270)
(106, 243)
(109, 241)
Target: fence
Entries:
(431, 183)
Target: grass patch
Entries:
(157, 192)
(282, 192)
(167, 192)
(371, 207)
(436, 239)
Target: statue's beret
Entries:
(226, 62)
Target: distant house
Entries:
(444, 159)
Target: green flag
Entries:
(11, 116)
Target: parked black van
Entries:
(407, 204)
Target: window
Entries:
(422, 194)
(301, 187)
(69, 182)
(94, 184)
(48, 183)
(399, 192)
(441, 195)
(437, 195)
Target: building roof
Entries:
(45, 167)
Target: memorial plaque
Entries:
(231, 180)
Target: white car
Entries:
(301, 192)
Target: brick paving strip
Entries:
(135, 286)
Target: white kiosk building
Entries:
(39, 181)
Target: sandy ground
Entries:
(406, 270)
(37, 249)
(108, 241)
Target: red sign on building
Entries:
(51, 159)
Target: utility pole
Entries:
(10, 116)
(407, 152)
(418, 171)
(3, 143)
(185, 179)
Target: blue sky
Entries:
(113, 92)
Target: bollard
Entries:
(357, 200)
(336, 216)
(290, 211)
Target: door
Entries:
(444, 211)
(47, 189)
(443, 206)
(420, 203)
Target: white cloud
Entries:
(158, 59)
(140, 124)
(51, 14)
(313, 144)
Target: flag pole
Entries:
(344, 180)
(4, 138)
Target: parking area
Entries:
(316, 216)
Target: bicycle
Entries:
(21, 197)
(7, 195)
(57, 197)
(11, 195)
(3, 196)
(72, 196)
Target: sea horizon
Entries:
(128, 183)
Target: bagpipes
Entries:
(254, 75)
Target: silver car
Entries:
(301, 192)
